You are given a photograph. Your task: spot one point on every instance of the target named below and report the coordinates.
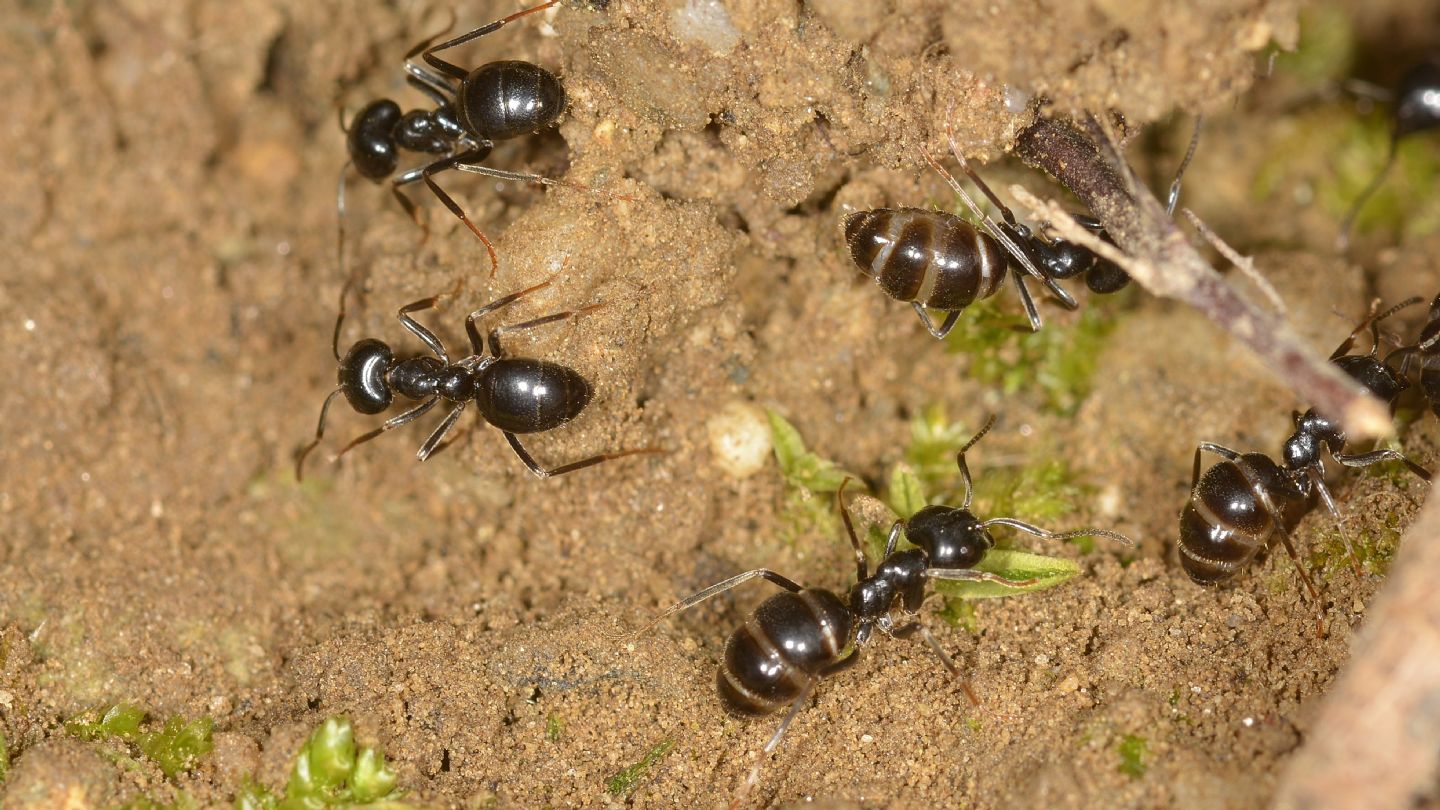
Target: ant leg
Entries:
(438, 434)
(319, 434)
(541, 472)
(340, 258)
(427, 174)
(1318, 479)
(1030, 311)
(390, 424)
(460, 73)
(432, 91)
(1278, 519)
(861, 564)
(409, 205)
(943, 329)
(965, 468)
(1174, 196)
(1377, 456)
(477, 340)
(418, 330)
(721, 587)
(971, 575)
(1046, 534)
(495, 333)
(424, 75)
(1342, 242)
(1209, 447)
(754, 777)
(934, 645)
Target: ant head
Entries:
(950, 537)
(371, 139)
(362, 376)
(1068, 259)
(1376, 377)
(1419, 100)
(1106, 277)
(503, 100)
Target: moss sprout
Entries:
(330, 770)
(1058, 361)
(4, 758)
(807, 477)
(623, 782)
(176, 747)
(1132, 750)
(554, 728)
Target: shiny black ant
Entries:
(515, 394)
(473, 109)
(801, 636)
(1426, 353)
(1240, 504)
(1417, 109)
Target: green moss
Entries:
(120, 721)
(931, 451)
(554, 727)
(960, 613)
(1375, 548)
(1040, 492)
(176, 747)
(1332, 155)
(1132, 750)
(808, 477)
(4, 758)
(1059, 361)
(623, 782)
(330, 770)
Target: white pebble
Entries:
(739, 439)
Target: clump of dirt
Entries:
(171, 291)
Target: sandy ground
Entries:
(168, 292)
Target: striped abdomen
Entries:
(935, 259)
(781, 648)
(1225, 525)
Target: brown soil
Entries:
(167, 234)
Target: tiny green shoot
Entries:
(554, 728)
(1132, 750)
(799, 466)
(177, 747)
(622, 783)
(4, 758)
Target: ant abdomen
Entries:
(782, 649)
(525, 395)
(931, 258)
(503, 100)
(1225, 523)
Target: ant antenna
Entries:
(1174, 196)
(964, 468)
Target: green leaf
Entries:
(332, 753)
(1010, 564)
(254, 796)
(623, 782)
(4, 757)
(1132, 750)
(121, 720)
(905, 494)
(799, 466)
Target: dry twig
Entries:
(1377, 741)
(1160, 259)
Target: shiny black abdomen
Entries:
(1224, 525)
(522, 395)
(932, 258)
(371, 140)
(786, 643)
(508, 99)
(362, 376)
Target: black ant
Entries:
(1240, 504)
(800, 636)
(1417, 109)
(473, 109)
(515, 394)
(1425, 351)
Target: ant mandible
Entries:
(473, 109)
(515, 394)
(801, 636)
